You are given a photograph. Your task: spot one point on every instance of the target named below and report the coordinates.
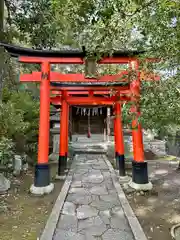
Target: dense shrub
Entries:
(11, 120)
(19, 113)
(6, 151)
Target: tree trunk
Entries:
(1, 49)
(1, 16)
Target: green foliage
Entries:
(11, 120)
(160, 105)
(34, 22)
(103, 26)
(115, 24)
(19, 119)
(24, 101)
(6, 151)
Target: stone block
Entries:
(89, 222)
(119, 222)
(17, 165)
(93, 177)
(80, 191)
(110, 198)
(115, 234)
(105, 216)
(86, 211)
(102, 205)
(99, 190)
(4, 184)
(69, 208)
(68, 223)
(67, 235)
(95, 230)
(76, 184)
(79, 199)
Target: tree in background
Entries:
(102, 27)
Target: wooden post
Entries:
(70, 123)
(42, 173)
(63, 139)
(67, 130)
(108, 123)
(119, 141)
(139, 166)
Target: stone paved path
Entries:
(92, 209)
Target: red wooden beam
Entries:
(76, 77)
(106, 93)
(124, 60)
(87, 103)
(56, 92)
(74, 60)
(79, 60)
(89, 88)
(59, 77)
(88, 100)
(116, 60)
(83, 101)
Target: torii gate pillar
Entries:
(42, 183)
(140, 179)
(63, 144)
(119, 141)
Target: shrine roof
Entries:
(16, 51)
(90, 84)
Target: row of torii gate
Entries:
(77, 89)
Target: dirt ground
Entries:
(159, 209)
(23, 216)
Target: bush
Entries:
(11, 121)
(24, 102)
(6, 151)
(19, 117)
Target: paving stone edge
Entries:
(130, 215)
(52, 221)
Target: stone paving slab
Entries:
(92, 209)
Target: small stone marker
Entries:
(4, 184)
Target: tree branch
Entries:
(10, 6)
(140, 8)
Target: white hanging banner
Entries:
(77, 111)
(94, 111)
(81, 111)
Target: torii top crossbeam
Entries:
(71, 56)
(76, 82)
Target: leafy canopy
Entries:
(102, 26)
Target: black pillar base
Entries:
(62, 164)
(140, 172)
(42, 175)
(117, 160)
(120, 163)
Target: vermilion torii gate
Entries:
(69, 85)
(84, 101)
